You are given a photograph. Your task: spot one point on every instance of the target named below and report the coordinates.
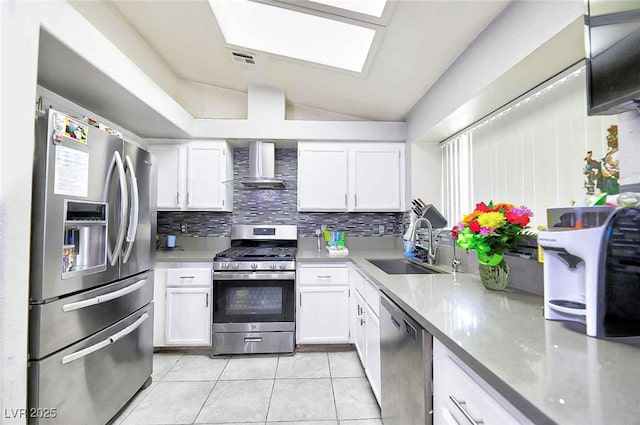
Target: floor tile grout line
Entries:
(210, 392)
(333, 391)
(273, 385)
(140, 402)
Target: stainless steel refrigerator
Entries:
(91, 281)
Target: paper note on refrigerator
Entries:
(71, 175)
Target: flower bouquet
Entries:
(491, 230)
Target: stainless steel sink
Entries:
(402, 266)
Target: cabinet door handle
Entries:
(187, 198)
(459, 404)
(187, 277)
(300, 300)
(345, 200)
(356, 199)
(207, 302)
(178, 198)
(324, 276)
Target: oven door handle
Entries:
(254, 276)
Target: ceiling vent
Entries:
(244, 59)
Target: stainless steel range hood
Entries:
(262, 167)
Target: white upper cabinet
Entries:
(334, 176)
(205, 176)
(376, 177)
(194, 176)
(170, 171)
(322, 177)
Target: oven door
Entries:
(253, 301)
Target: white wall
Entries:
(629, 147)
(20, 23)
(521, 28)
(426, 181)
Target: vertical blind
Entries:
(532, 152)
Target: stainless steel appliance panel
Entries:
(254, 327)
(405, 359)
(89, 382)
(139, 248)
(59, 324)
(48, 208)
(253, 342)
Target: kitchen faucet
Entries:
(455, 260)
(431, 255)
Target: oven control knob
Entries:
(254, 266)
(283, 266)
(235, 265)
(272, 266)
(225, 265)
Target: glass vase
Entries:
(495, 277)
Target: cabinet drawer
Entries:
(189, 277)
(461, 393)
(323, 275)
(372, 297)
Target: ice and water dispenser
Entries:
(85, 235)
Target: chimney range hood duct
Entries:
(262, 167)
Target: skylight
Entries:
(368, 7)
(293, 34)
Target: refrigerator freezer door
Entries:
(60, 323)
(70, 172)
(139, 250)
(89, 382)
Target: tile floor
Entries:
(304, 389)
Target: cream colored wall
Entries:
(426, 170)
(301, 112)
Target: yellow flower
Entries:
(492, 220)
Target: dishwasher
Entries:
(405, 359)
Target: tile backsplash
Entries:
(265, 206)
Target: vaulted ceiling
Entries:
(420, 41)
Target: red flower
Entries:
(514, 218)
(454, 233)
(475, 226)
(482, 207)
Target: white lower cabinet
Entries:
(366, 327)
(323, 315)
(372, 350)
(461, 396)
(359, 336)
(182, 297)
(188, 316)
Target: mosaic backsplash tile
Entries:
(267, 206)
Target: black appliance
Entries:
(613, 80)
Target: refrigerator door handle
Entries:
(132, 327)
(104, 343)
(134, 211)
(104, 297)
(116, 163)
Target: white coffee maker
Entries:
(572, 248)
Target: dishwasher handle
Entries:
(399, 318)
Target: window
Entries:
(294, 34)
(532, 152)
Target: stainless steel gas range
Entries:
(254, 291)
